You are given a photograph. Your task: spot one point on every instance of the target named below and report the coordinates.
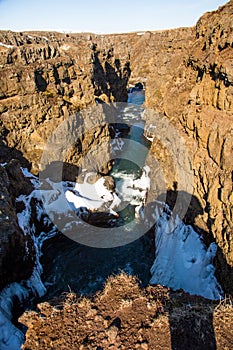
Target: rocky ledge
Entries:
(124, 316)
(187, 72)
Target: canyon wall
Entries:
(44, 79)
(192, 86)
(188, 74)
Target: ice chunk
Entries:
(182, 260)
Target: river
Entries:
(68, 265)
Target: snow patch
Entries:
(182, 260)
(7, 46)
(92, 196)
(65, 47)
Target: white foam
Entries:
(133, 190)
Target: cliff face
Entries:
(45, 77)
(188, 74)
(17, 253)
(193, 87)
(48, 76)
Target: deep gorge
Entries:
(46, 77)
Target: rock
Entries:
(187, 73)
(17, 252)
(19, 183)
(194, 80)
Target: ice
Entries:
(133, 190)
(7, 46)
(91, 196)
(12, 338)
(182, 260)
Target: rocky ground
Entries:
(188, 74)
(125, 316)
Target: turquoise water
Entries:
(70, 265)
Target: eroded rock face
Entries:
(194, 90)
(188, 74)
(47, 77)
(17, 253)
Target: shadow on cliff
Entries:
(9, 153)
(70, 265)
(109, 79)
(195, 332)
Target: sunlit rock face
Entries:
(191, 84)
(188, 77)
(45, 77)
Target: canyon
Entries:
(187, 74)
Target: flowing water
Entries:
(70, 265)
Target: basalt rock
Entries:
(46, 77)
(17, 253)
(188, 74)
(192, 87)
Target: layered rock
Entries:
(194, 90)
(44, 79)
(188, 76)
(17, 252)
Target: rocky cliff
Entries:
(192, 86)
(188, 75)
(17, 252)
(45, 77)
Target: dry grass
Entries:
(125, 316)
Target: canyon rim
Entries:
(187, 77)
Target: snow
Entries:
(133, 190)
(11, 338)
(91, 196)
(65, 47)
(182, 260)
(7, 46)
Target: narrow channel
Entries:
(68, 265)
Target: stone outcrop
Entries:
(188, 74)
(124, 316)
(48, 76)
(17, 253)
(194, 90)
